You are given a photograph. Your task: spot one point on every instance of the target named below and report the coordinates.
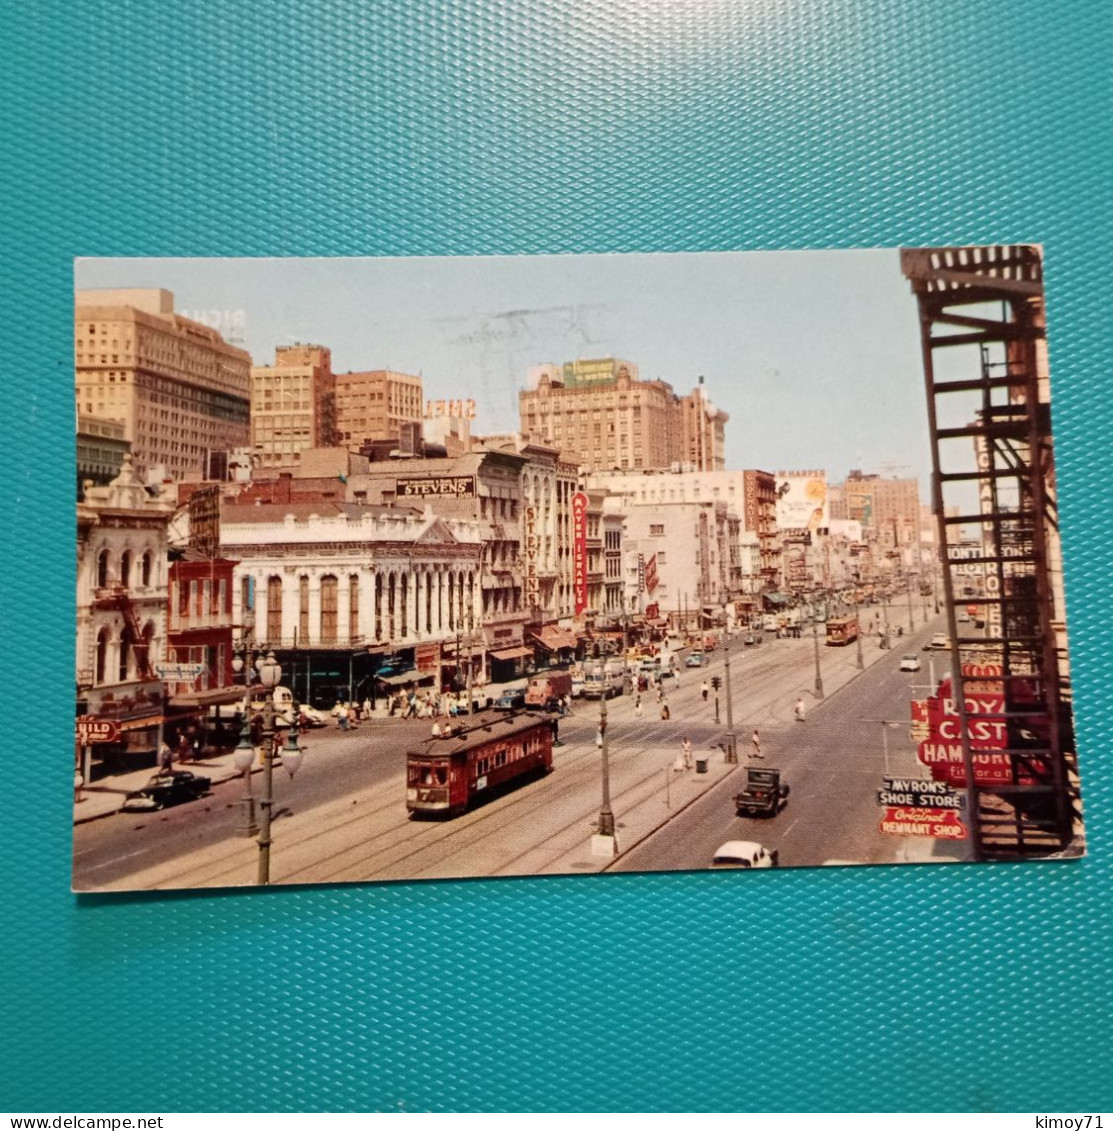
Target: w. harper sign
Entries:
(579, 551)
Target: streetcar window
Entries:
(442, 775)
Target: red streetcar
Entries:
(485, 753)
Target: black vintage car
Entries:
(170, 787)
(763, 795)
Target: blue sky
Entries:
(815, 355)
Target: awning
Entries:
(412, 676)
(140, 724)
(553, 638)
(512, 653)
(210, 698)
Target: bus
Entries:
(493, 752)
(842, 630)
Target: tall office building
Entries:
(612, 420)
(374, 405)
(293, 405)
(178, 388)
(889, 506)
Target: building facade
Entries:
(891, 507)
(293, 405)
(374, 405)
(101, 448)
(121, 615)
(177, 387)
(608, 419)
(339, 589)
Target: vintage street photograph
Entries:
(407, 569)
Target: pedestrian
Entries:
(703, 690)
(165, 757)
(353, 716)
(798, 710)
(183, 747)
(638, 706)
(686, 749)
(664, 711)
(367, 708)
(755, 740)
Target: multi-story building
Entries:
(101, 448)
(339, 589)
(750, 495)
(176, 385)
(293, 405)
(609, 419)
(200, 624)
(614, 598)
(889, 506)
(121, 616)
(690, 557)
(374, 405)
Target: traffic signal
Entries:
(716, 682)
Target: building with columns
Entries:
(345, 589)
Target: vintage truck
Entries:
(547, 689)
(763, 795)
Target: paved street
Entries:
(343, 818)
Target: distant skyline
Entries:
(814, 354)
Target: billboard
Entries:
(802, 502)
(450, 486)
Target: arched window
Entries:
(274, 610)
(149, 643)
(145, 569)
(328, 609)
(125, 568)
(353, 607)
(102, 568)
(102, 654)
(127, 644)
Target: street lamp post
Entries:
(859, 663)
(731, 751)
(244, 754)
(815, 641)
(911, 615)
(604, 842)
(269, 674)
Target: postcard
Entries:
(403, 569)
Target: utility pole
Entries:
(732, 748)
(859, 663)
(911, 617)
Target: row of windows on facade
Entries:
(122, 575)
(390, 594)
(126, 665)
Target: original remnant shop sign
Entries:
(920, 807)
(440, 486)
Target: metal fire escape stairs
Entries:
(991, 410)
(117, 597)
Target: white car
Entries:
(744, 854)
(910, 662)
(940, 640)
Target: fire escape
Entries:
(982, 330)
(118, 598)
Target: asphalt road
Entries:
(834, 763)
(356, 779)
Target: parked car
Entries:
(694, 660)
(512, 700)
(941, 640)
(744, 854)
(577, 686)
(171, 787)
(910, 662)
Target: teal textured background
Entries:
(411, 128)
